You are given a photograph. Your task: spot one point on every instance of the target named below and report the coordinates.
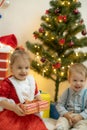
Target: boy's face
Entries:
(20, 68)
(77, 81)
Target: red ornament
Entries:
(57, 65)
(47, 12)
(60, 18)
(62, 41)
(9, 40)
(35, 36)
(43, 59)
(71, 43)
(64, 18)
(41, 30)
(76, 11)
(57, 11)
(84, 32)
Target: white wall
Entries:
(22, 18)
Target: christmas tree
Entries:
(62, 35)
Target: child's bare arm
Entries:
(12, 107)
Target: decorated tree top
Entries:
(61, 32)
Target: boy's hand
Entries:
(76, 118)
(69, 118)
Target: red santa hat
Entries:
(9, 40)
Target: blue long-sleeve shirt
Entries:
(73, 101)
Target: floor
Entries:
(50, 123)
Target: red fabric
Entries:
(9, 120)
(7, 90)
(9, 40)
(36, 89)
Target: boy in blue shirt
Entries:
(72, 105)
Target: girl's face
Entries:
(77, 81)
(20, 68)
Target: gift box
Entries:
(3, 73)
(35, 106)
(53, 111)
(4, 55)
(3, 64)
(7, 43)
(46, 97)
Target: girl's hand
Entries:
(12, 107)
(38, 97)
(18, 110)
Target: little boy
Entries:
(72, 105)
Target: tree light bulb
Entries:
(62, 73)
(62, 68)
(46, 34)
(38, 47)
(47, 19)
(38, 64)
(71, 63)
(54, 70)
(35, 46)
(76, 53)
(44, 71)
(52, 38)
(38, 57)
(68, 66)
(59, 59)
(68, 3)
(37, 53)
(63, 3)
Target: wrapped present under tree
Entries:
(7, 44)
(47, 97)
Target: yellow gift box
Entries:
(46, 96)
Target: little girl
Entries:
(15, 90)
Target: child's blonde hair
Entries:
(77, 68)
(18, 52)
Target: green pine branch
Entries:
(62, 35)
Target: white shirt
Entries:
(25, 89)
